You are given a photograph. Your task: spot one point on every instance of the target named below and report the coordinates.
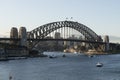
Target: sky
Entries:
(102, 16)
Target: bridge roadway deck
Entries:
(76, 40)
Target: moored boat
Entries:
(52, 56)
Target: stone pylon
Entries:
(14, 34)
(106, 40)
(23, 36)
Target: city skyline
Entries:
(101, 16)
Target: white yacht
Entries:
(99, 64)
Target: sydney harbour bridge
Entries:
(64, 32)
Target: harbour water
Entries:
(71, 67)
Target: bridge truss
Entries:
(41, 32)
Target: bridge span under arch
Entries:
(42, 31)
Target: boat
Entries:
(99, 64)
(91, 55)
(10, 77)
(52, 56)
(63, 55)
(75, 52)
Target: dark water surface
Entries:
(72, 67)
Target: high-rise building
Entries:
(57, 35)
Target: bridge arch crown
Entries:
(42, 31)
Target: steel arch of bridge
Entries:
(42, 31)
